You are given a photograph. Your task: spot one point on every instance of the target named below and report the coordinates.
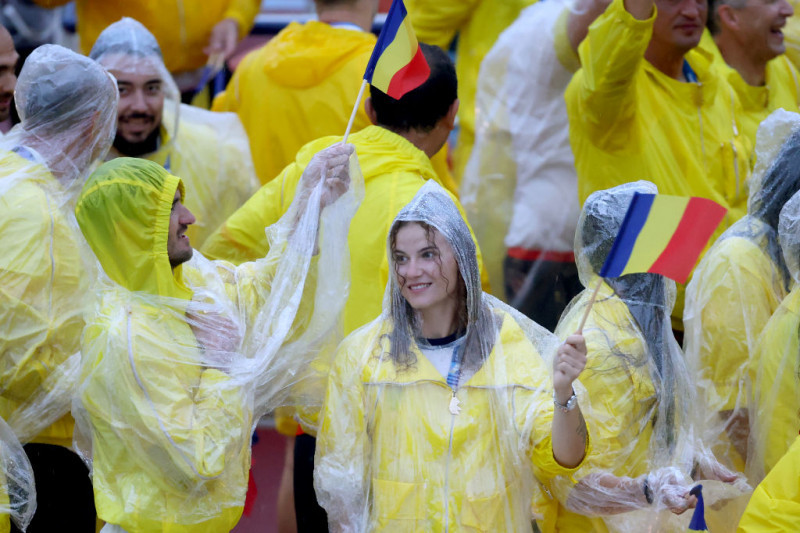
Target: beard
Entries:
(137, 149)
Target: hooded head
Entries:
(124, 212)
(789, 235)
(66, 103)
(131, 53)
(434, 210)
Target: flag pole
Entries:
(589, 307)
(355, 110)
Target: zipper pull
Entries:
(454, 405)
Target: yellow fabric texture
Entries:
(733, 293)
(210, 154)
(182, 27)
(624, 399)
(394, 170)
(414, 465)
(478, 24)
(42, 282)
(776, 392)
(629, 121)
(775, 504)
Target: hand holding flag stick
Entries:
(397, 65)
(660, 234)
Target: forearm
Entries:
(569, 436)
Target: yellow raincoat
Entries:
(183, 28)
(42, 283)
(775, 505)
(630, 121)
(393, 168)
(478, 24)
(170, 429)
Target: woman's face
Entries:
(426, 268)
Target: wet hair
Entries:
(423, 107)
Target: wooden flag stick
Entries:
(589, 307)
(355, 110)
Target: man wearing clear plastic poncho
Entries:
(209, 151)
(519, 188)
(439, 414)
(774, 415)
(66, 103)
(182, 355)
(735, 289)
(643, 446)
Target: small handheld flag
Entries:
(662, 235)
(397, 65)
(698, 522)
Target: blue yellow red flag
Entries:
(662, 234)
(397, 65)
(698, 522)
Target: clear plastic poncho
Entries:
(519, 187)
(734, 290)
(179, 365)
(66, 103)
(401, 450)
(775, 366)
(640, 389)
(209, 151)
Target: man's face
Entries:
(179, 249)
(141, 96)
(8, 77)
(758, 27)
(679, 24)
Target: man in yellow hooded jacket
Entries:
(66, 103)
(647, 104)
(208, 150)
(182, 355)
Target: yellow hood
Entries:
(302, 55)
(123, 211)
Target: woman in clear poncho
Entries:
(643, 450)
(775, 367)
(182, 355)
(438, 414)
(735, 289)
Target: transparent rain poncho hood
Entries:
(401, 450)
(209, 151)
(640, 389)
(66, 103)
(179, 365)
(775, 364)
(736, 288)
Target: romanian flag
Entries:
(698, 522)
(663, 235)
(397, 64)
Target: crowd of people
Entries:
(419, 307)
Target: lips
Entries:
(417, 287)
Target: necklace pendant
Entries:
(454, 406)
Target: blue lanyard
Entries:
(688, 73)
(454, 375)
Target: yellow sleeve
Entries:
(438, 21)
(244, 13)
(601, 95)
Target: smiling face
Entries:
(8, 79)
(426, 269)
(141, 95)
(679, 24)
(759, 26)
(179, 249)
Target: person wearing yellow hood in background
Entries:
(67, 105)
(641, 392)
(210, 151)
(775, 505)
(477, 25)
(749, 48)
(775, 412)
(647, 104)
(181, 355)
(736, 288)
(188, 31)
(395, 158)
(306, 80)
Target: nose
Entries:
(786, 9)
(138, 102)
(7, 82)
(691, 8)
(186, 218)
(412, 268)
